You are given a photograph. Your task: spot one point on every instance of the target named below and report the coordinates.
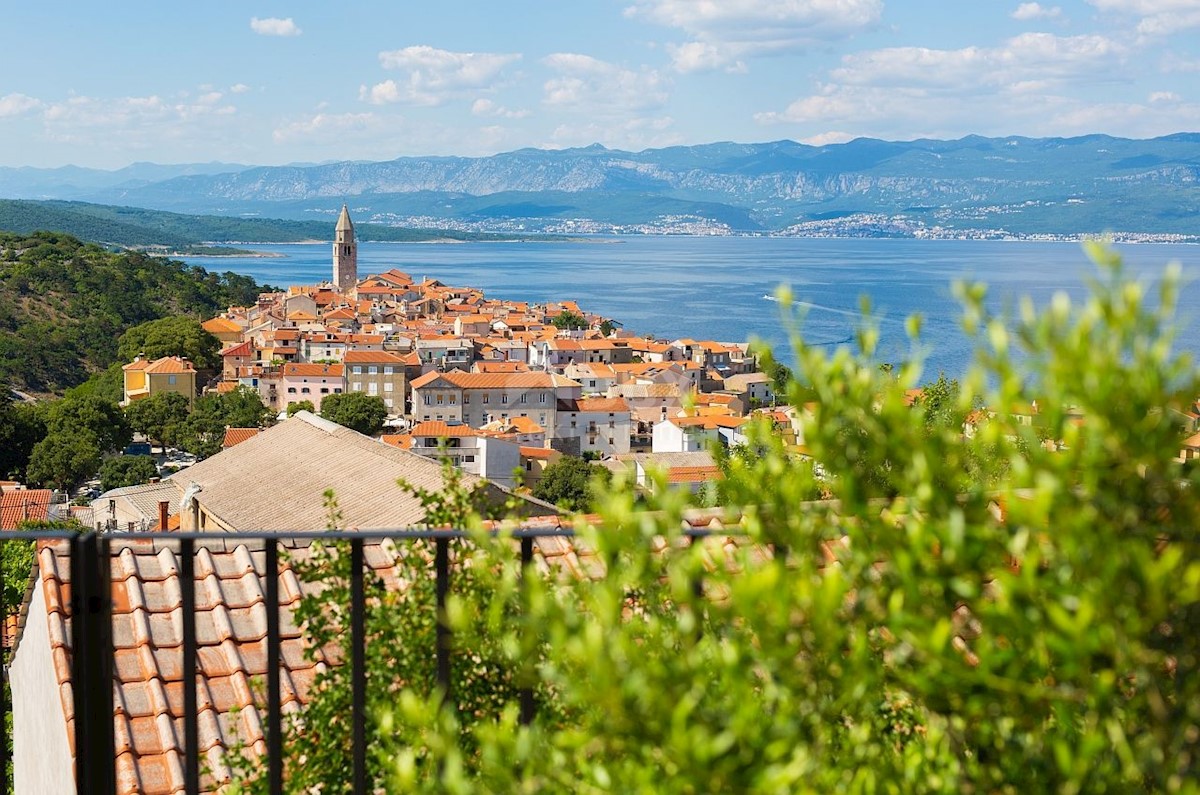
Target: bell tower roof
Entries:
(344, 224)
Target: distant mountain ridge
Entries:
(1029, 185)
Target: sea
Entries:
(726, 288)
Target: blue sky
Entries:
(107, 84)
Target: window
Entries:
(337, 390)
(291, 390)
(504, 399)
(466, 398)
(542, 398)
(305, 390)
(426, 399)
(171, 380)
(524, 397)
(356, 386)
(454, 400)
(388, 387)
(485, 398)
(388, 369)
(324, 390)
(610, 441)
(372, 388)
(373, 369)
(358, 369)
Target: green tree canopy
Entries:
(570, 483)
(569, 320)
(203, 432)
(356, 410)
(101, 418)
(21, 427)
(64, 459)
(171, 336)
(126, 470)
(299, 405)
(158, 416)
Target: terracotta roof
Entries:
(170, 364)
(442, 429)
(500, 367)
(329, 370)
(225, 387)
(692, 474)
(401, 440)
(709, 421)
(241, 349)
(137, 364)
(220, 325)
(541, 453)
(22, 505)
(491, 380)
(609, 405)
(372, 357)
(237, 436)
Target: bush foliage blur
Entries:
(1010, 609)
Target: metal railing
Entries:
(92, 651)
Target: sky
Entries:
(104, 85)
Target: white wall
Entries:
(42, 763)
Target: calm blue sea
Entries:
(719, 288)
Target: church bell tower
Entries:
(345, 253)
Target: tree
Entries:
(203, 432)
(100, 418)
(568, 320)
(158, 416)
(64, 459)
(607, 327)
(171, 336)
(21, 426)
(126, 470)
(356, 410)
(569, 483)
(299, 405)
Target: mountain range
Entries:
(1067, 186)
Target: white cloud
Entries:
(239, 88)
(327, 127)
(274, 26)
(1029, 11)
(589, 84)
(724, 31)
(486, 107)
(1032, 82)
(17, 104)
(1156, 18)
(433, 75)
(1163, 96)
(827, 138)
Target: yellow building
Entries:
(169, 374)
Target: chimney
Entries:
(163, 511)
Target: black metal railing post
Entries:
(91, 664)
(187, 605)
(274, 696)
(358, 667)
(525, 694)
(441, 566)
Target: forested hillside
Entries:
(64, 303)
(134, 226)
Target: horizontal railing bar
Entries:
(345, 535)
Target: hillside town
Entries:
(500, 386)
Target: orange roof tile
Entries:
(540, 453)
(24, 505)
(170, 364)
(237, 436)
(440, 430)
(220, 325)
(241, 349)
(328, 370)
